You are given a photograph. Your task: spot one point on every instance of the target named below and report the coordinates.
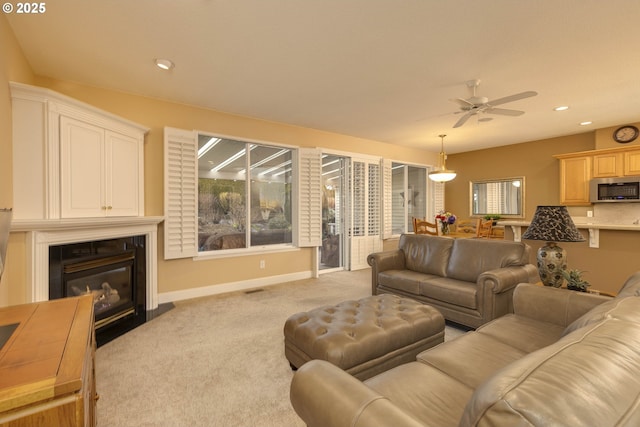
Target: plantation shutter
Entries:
(387, 201)
(309, 197)
(180, 193)
(438, 198)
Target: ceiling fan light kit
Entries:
(481, 104)
(442, 174)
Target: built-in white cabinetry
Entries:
(72, 160)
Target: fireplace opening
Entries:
(109, 280)
(113, 271)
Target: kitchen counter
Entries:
(594, 228)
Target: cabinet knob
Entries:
(109, 207)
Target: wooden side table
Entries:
(47, 375)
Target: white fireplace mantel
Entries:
(41, 234)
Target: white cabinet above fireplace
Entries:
(72, 160)
(100, 171)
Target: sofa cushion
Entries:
(426, 393)
(426, 254)
(584, 379)
(403, 280)
(471, 358)
(448, 290)
(472, 257)
(521, 332)
(615, 308)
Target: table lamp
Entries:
(552, 224)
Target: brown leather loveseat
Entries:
(470, 281)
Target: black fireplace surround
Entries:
(113, 271)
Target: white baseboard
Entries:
(231, 287)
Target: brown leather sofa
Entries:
(564, 358)
(470, 281)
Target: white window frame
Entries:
(181, 207)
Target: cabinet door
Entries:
(632, 163)
(123, 180)
(607, 165)
(82, 169)
(575, 174)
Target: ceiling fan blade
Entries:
(463, 119)
(462, 102)
(512, 98)
(504, 111)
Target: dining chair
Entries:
(421, 226)
(484, 229)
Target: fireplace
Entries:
(111, 270)
(41, 235)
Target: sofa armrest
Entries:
(382, 261)
(504, 279)
(324, 395)
(553, 305)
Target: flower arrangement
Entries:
(446, 219)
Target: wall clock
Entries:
(625, 134)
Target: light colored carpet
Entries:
(215, 361)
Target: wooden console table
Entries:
(47, 375)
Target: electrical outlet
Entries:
(262, 263)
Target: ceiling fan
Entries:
(481, 104)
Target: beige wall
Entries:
(13, 66)
(619, 253)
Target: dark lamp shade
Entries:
(552, 224)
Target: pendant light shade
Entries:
(442, 174)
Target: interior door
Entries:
(365, 222)
(334, 196)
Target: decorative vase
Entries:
(552, 261)
(445, 228)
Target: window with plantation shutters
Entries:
(309, 197)
(181, 194)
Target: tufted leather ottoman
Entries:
(364, 337)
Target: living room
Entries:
(176, 276)
(188, 277)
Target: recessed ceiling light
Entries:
(165, 64)
(561, 108)
(588, 122)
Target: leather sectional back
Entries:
(426, 254)
(472, 257)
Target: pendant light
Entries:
(442, 174)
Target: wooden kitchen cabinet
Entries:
(607, 165)
(577, 169)
(632, 163)
(47, 374)
(575, 173)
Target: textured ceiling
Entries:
(378, 69)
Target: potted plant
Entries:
(575, 282)
(492, 217)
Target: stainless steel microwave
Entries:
(625, 189)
